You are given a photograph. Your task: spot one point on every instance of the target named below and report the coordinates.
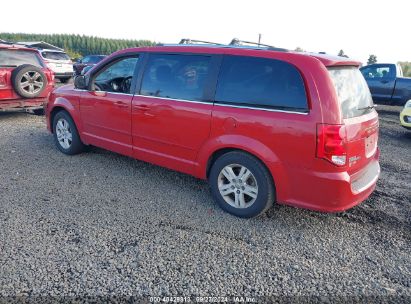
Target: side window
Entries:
(116, 77)
(378, 72)
(176, 76)
(85, 59)
(383, 72)
(261, 82)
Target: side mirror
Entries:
(80, 82)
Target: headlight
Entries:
(408, 104)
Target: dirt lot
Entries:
(100, 224)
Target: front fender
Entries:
(71, 105)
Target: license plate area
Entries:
(371, 144)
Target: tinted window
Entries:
(117, 76)
(16, 58)
(260, 82)
(175, 76)
(55, 56)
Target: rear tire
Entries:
(66, 136)
(241, 184)
(28, 81)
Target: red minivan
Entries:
(263, 125)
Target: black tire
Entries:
(64, 80)
(38, 112)
(35, 85)
(266, 191)
(75, 145)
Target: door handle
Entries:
(121, 104)
(141, 107)
(384, 81)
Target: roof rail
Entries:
(235, 43)
(238, 42)
(193, 41)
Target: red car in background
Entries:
(25, 80)
(262, 125)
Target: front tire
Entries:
(241, 184)
(65, 134)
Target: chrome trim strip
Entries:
(207, 103)
(224, 105)
(115, 93)
(175, 99)
(261, 109)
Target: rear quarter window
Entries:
(262, 83)
(19, 57)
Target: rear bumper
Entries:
(35, 103)
(405, 118)
(63, 75)
(335, 192)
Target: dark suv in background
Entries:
(89, 60)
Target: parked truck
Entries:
(387, 83)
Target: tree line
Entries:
(78, 45)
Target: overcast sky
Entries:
(359, 27)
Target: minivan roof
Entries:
(325, 59)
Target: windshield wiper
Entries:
(8, 66)
(367, 107)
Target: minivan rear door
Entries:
(359, 116)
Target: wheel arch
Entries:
(62, 104)
(214, 149)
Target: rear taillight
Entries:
(331, 143)
(2, 80)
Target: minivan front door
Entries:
(106, 107)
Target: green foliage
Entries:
(372, 59)
(406, 68)
(78, 45)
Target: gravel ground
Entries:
(100, 224)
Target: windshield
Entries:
(55, 56)
(352, 91)
(15, 58)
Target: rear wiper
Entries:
(366, 108)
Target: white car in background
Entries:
(55, 58)
(59, 62)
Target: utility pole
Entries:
(259, 39)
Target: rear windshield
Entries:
(55, 56)
(352, 90)
(14, 58)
